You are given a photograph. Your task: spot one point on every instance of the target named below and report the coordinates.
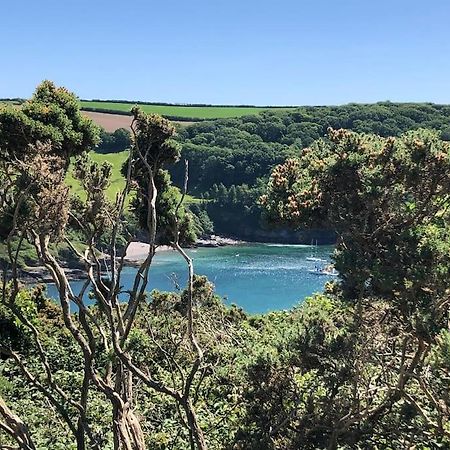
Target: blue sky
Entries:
(282, 52)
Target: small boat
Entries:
(329, 271)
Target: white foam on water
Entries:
(288, 245)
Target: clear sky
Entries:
(284, 52)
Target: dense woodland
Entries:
(365, 364)
(241, 150)
(231, 159)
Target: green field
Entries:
(117, 180)
(195, 112)
(9, 102)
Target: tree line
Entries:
(243, 151)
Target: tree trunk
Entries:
(194, 426)
(16, 428)
(128, 434)
(81, 443)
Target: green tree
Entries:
(35, 199)
(222, 194)
(232, 194)
(51, 115)
(153, 144)
(117, 141)
(387, 199)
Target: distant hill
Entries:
(190, 113)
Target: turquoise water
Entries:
(258, 278)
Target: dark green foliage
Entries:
(203, 223)
(167, 201)
(151, 341)
(153, 139)
(116, 141)
(37, 141)
(387, 199)
(153, 149)
(241, 151)
(235, 211)
(51, 115)
(366, 364)
(279, 380)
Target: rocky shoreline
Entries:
(136, 254)
(39, 274)
(218, 241)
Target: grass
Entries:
(117, 180)
(9, 102)
(195, 112)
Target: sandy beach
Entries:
(138, 251)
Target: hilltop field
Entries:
(111, 122)
(187, 112)
(182, 113)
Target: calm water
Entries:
(259, 278)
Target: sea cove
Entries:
(257, 277)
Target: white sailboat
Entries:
(313, 256)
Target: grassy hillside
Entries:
(117, 180)
(195, 112)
